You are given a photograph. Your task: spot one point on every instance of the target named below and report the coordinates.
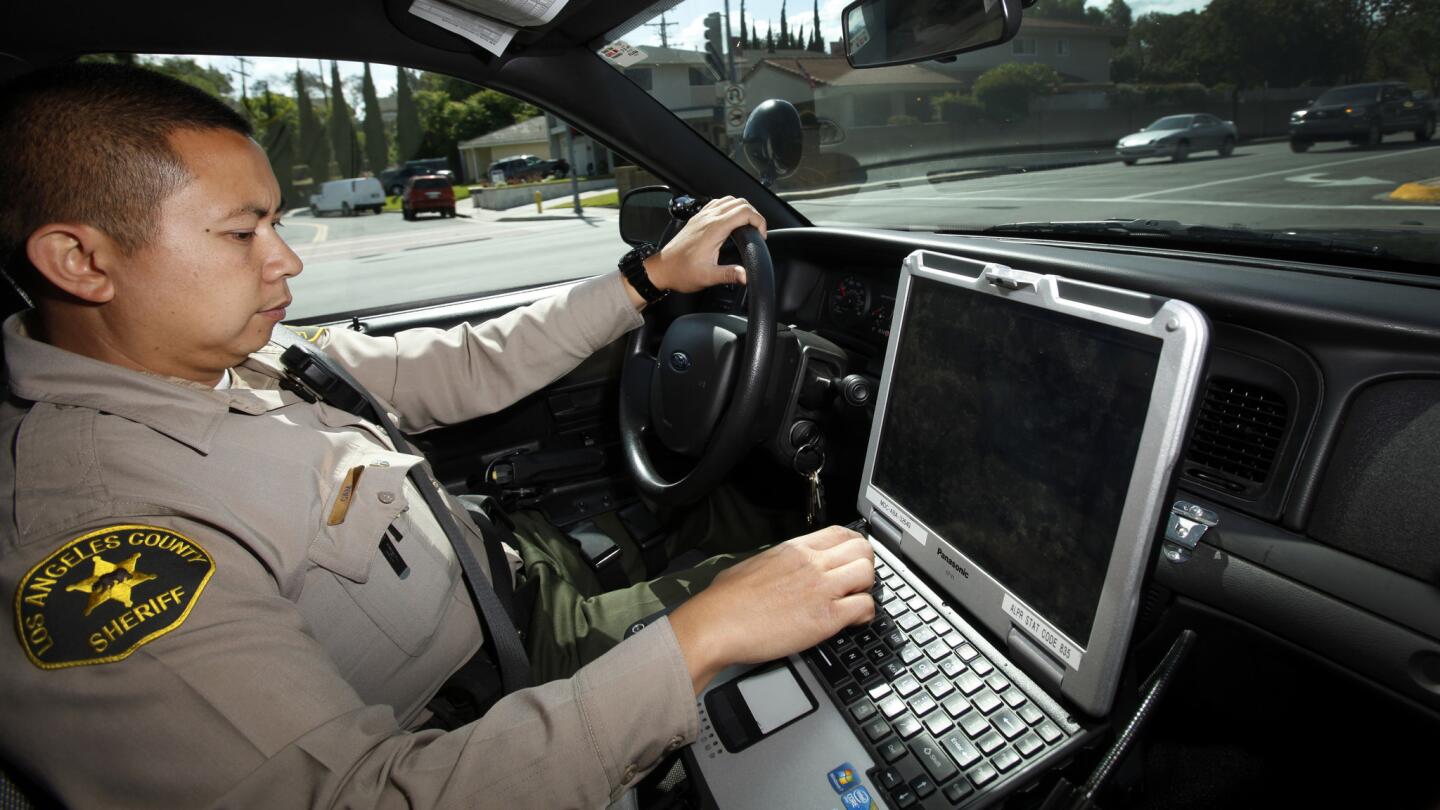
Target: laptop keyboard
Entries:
(943, 723)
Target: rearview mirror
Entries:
(895, 32)
(644, 215)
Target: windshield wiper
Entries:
(1170, 229)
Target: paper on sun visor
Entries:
(524, 13)
(491, 35)
(622, 53)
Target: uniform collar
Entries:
(188, 412)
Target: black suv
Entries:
(394, 179)
(1362, 114)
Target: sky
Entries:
(688, 18)
(686, 30)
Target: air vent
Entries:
(1237, 436)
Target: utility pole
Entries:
(244, 100)
(729, 43)
(574, 174)
(320, 71)
(664, 29)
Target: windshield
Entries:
(1030, 130)
(431, 182)
(1349, 95)
(1171, 122)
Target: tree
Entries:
(1119, 17)
(377, 147)
(784, 42)
(744, 34)
(769, 38)
(1004, 91)
(1072, 10)
(343, 141)
(274, 116)
(314, 148)
(407, 124)
(818, 44)
(213, 81)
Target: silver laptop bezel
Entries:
(1090, 678)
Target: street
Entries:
(372, 261)
(1259, 186)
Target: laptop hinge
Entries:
(1036, 662)
(886, 532)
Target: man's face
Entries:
(209, 287)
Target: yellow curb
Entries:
(1419, 191)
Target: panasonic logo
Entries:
(950, 562)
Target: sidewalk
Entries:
(527, 213)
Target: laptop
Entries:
(1025, 434)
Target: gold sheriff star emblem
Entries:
(111, 581)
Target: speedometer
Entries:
(850, 300)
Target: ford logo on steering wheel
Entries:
(680, 361)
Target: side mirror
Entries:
(645, 214)
(773, 141)
(895, 32)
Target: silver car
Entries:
(1176, 136)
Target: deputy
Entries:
(226, 595)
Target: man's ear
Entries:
(76, 258)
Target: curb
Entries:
(1418, 191)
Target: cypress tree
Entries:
(407, 125)
(784, 42)
(314, 148)
(342, 128)
(377, 148)
(818, 43)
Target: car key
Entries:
(809, 461)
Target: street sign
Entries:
(734, 95)
(734, 120)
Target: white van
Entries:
(348, 196)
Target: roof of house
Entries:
(834, 71)
(531, 130)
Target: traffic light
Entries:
(715, 44)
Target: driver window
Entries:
(443, 179)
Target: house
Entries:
(1079, 52)
(682, 81)
(829, 87)
(528, 137)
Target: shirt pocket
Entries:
(405, 589)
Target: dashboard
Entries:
(1316, 439)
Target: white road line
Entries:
(321, 231)
(1398, 207)
(1291, 170)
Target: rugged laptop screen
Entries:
(1037, 418)
(1026, 432)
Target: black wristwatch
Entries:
(632, 267)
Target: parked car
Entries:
(394, 179)
(428, 192)
(1362, 114)
(1176, 136)
(526, 168)
(346, 197)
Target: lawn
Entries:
(608, 200)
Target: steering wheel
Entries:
(701, 394)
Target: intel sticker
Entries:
(857, 799)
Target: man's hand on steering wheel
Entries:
(689, 262)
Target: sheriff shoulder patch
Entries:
(105, 594)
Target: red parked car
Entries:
(427, 192)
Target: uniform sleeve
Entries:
(239, 706)
(438, 377)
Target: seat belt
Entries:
(315, 376)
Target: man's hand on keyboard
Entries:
(781, 601)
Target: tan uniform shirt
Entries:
(203, 615)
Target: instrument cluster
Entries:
(860, 306)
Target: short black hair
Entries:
(90, 142)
